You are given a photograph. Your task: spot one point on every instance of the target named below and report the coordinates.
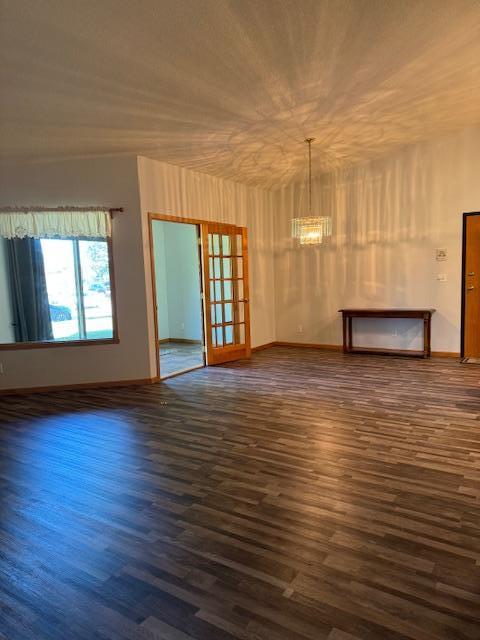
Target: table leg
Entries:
(426, 337)
(345, 348)
(350, 331)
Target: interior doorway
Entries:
(470, 332)
(178, 293)
(201, 292)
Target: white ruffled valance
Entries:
(54, 224)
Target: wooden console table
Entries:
(423, 314)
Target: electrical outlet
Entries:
(442, 277)
(300, 328)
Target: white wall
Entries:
(183, 281)
(389, 216)
(175, 191)
(7, 333)
(130, 182)
(177, 279)
(103, 181)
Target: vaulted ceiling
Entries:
(232, 87)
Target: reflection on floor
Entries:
(177, 356)
(299, 495)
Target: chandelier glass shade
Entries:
(311, 229)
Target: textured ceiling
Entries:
(231, 87)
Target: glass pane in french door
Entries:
(228, 312)
(229, 334)
(228, 289)
(226, 274)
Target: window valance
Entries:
(54, 224)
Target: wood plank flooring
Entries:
(179, 356)
(300, 495)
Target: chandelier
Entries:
(311, 229)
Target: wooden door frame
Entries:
(168, 218)
(466, 215)
(205, 295)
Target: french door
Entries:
(227, 317)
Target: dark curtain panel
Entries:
(31, 310)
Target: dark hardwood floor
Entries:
(302, 494)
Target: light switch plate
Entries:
(440, 255)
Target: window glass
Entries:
(227, 289)
(97, 299)
(239, 273)
(59, 265)
(55, 290)
(227, 267)
(226, 245)
(241, 332)
(229, 334)
(238, 245)
(241, 311)
(239, 289)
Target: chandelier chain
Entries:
(312, 229)
(309, 142)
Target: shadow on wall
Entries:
(388, 218)
(179, 192)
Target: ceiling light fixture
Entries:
(311, 229)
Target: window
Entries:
(54, 289)
(78, 285)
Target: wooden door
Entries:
(471, 287)
(227, 317)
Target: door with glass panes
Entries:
(225, 260)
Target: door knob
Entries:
(471, 273)
(470, 288)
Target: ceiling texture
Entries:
(232, 87)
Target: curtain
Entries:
(55, 224)
(31, 311)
